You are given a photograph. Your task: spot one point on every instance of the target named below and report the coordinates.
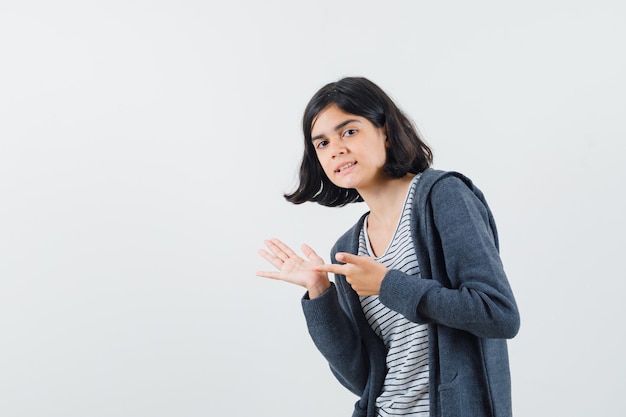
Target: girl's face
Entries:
(351, 150)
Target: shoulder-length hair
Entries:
(407, 152)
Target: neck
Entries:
(385, 200)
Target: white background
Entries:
(145, 147)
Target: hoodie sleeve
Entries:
(336, 338)
(474, 295)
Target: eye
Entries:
(350, 132)
(321, 144)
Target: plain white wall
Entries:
(145, 146)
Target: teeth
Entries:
(345, 166)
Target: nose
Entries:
(337, 148)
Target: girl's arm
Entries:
(330, 328)
(478, 298)
(335, 336)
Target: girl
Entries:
(416, 318)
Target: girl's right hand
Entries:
(294, 269)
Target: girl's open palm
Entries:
(293, 268)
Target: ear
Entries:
(384, 132)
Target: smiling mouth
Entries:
(346, 166)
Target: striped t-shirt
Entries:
(405, 390)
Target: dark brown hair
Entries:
(407, 152)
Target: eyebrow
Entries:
(339, 126)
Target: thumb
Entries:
(348, 258)
(309, 252)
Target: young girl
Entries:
(416, 318)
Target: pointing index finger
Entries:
(332, 268)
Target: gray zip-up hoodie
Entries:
(463, 295)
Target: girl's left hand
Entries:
(363, 273)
